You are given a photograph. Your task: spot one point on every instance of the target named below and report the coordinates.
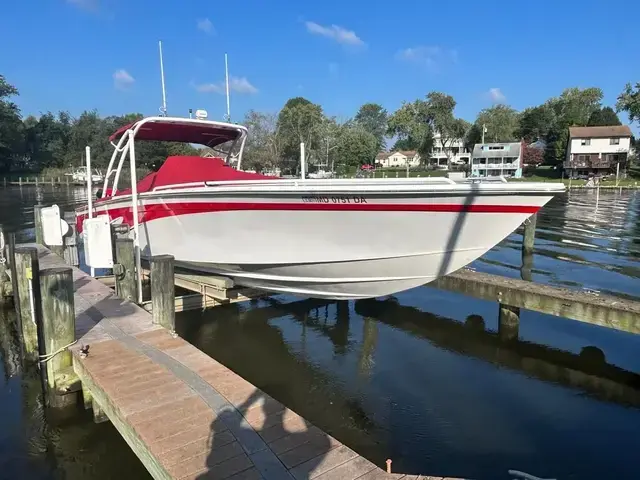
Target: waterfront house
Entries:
(398, 159)
(454, 151)
(496, 159)
(597, 150)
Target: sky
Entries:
(78, 55)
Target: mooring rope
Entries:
(49, 356)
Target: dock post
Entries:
(26, 264)
(36, 180)
(37, 222)
(3, 266)
(163, 291)
(508, 323)
(58, 249)
(58, 330)
(5, 182)
(125, 269)
(529, 235)
(20, 181)
(71, 241)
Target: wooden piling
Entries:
(125, 269)
(37, 222)
(3, 267)
(58, 249)
(20, 181)
(58, 329)
(26, 262)
(529, 234)
(71, 241)
(508, 323)
(163, 291)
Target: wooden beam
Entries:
(603, 310)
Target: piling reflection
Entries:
(587, 371)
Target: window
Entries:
(585, 141)
(614, 141)
(500, 147)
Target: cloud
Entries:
(433, 57)
(122, 80)
(496, 95)
(90, 5)
(336, 33)
(236, 84)
(206, 26)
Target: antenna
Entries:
(226, 74)
(163, 108)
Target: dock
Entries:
(185, 415)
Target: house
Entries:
(398, 159)
(597, 150)
(496, 159)
(453, 151)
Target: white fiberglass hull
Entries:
(338, 246)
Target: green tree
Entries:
(534, 123)
(300, 121)
(263, 146)
(603, 117)
(575, 106)
(372, 117)
(356, 146)
(501, 122)
(628, 101)
(11, 140)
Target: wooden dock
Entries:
(185, 415)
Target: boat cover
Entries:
(178, 170)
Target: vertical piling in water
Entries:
(3, 266)
(58, 329)
(529, 235)
(36, 181)
(163, 291)
(20, 181)
(508, 323)
(37, 222)
(125, 269)
(5, 182)
(26, 264)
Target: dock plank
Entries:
(185, 415)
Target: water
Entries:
(420, 378)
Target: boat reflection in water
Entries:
(438, 396)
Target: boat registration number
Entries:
(333, 199)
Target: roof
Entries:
(408, 153)
(600, 132)
(483, 150)
(382, 155)
(199, 132)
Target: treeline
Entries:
(57, 141)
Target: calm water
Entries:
(420, 378)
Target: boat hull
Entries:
(337, 247)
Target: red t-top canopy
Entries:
(186, 132)
(186, 169)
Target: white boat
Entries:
(80, 176)
(325, 238)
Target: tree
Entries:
(263, 146)
(11, 140)
(373, 118)
(330, 132)
(628, 101)
(534, 123)
(501, 122)
(440, 108)
(604, 117)
(575, 106)
(532, 155)
(417, 123)
(299, 122)
(356, 146)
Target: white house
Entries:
(497, 159)
(454, 150)
(597, 149)
(398, 159)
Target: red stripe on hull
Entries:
(162, 210)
